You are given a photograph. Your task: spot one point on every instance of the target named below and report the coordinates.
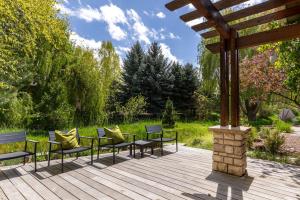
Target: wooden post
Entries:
(224, 83)
(235, 81)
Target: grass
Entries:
(194, 134)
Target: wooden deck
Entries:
(182, 175)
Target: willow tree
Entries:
(32, 41)
(110, 71)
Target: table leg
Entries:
(142, 151)
(130, 150)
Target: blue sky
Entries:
(125, 21)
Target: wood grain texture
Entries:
(275, 35)
(183, 175)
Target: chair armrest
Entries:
(87, 137)
(104, 138)
(32, 141)
(54, 142)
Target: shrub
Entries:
(134, 107)
(169, 115)
(282, 126)
(274, 140)
(251, 138)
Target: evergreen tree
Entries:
(169, 115)
(133, 63)
(155, 78)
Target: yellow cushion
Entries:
(114, 133)
(68, 140)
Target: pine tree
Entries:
(155, 78)
(169, 115)
(133, 63)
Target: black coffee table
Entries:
(142, 144)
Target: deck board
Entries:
(183, 175)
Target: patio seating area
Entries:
(183, 175)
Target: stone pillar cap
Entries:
(230, 129)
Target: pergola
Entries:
(230, 141)
(230, 42)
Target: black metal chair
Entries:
(101, 137)
(61, 151)
(158, 130)
(18, 137)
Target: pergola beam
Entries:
(275, 35)
(220, 5)
(207, 9)
(176, 4)
(259, 20)
(268, 5)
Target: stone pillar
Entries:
(230, 149)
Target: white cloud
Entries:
(116, 32)
(141, 31)
(166, 50)
(113, 15)
(89, 14)
(173, 36)
(65, 10)
(85, 43)
(161, 15)
(195, 21)
(121, 51)
(191, 7)
(146, 13)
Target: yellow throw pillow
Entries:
(114, 133)
(68, 140)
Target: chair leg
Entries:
(98, 152)
(24, 160)
(114, 156)
(62, 162)
(118, 150)
(142, 151)
(77, 155)
(49, 158)
(35, 162)
(176, 145)
(130, 150)
(162, 148)
(92, 153)
(152, 151)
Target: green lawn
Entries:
(193, 134)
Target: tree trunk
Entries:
(252, 108)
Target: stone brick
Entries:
(228, 160)
(229, 149)
(240, 162)
(216, 153)
(229, 136)
(218, 135)
(229, 142)
(222, 167)
(219, 148)
(239, 150)
(239, 136)
(217, 158)
(224, 154)
(215, 166)
(238, 143)
(218, 141)
(235, 170)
